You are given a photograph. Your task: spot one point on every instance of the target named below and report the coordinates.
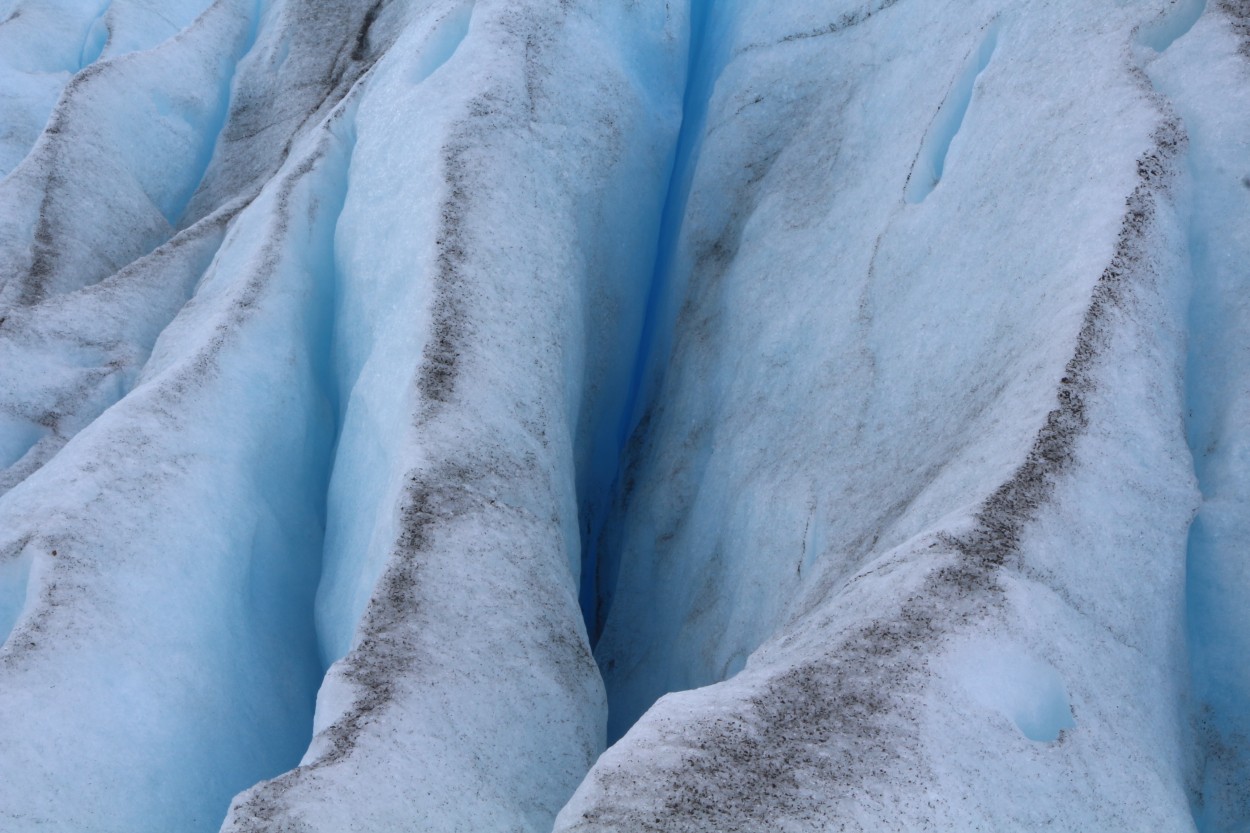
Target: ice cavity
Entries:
(1008, 680)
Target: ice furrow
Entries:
(45, 44)
(54, 235)
(788, 725)
(98, 368)
(302, 63)
(601, 485)
(232, 700)
(41, 47)
(624, 415)
(239, 707)
(90, 346)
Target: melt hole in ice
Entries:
(1171, 25)
(96, 39)
(443, 41)
(931, 161)
(1027, 691)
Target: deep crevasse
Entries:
(839, 346)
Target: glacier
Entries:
(624, 415)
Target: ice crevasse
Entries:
(624, 415)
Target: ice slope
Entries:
(328, 416)
(448, 597)
(859, 366)
(914, 484)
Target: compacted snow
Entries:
(624, 415)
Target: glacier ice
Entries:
(624, 415)
(1218, 229)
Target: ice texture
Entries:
(624, 415)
